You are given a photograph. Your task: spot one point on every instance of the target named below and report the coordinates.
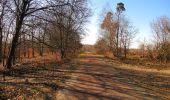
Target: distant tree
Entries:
(66, 28)
(127, 33)
(120, 8)
(109, 32)
(161, 31)
(101, 46)
(150, 51)
(109, 26)
(142, 47)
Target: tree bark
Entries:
(125, 51)
(19, 22)
(117, 36)
(1, 55)
(3, 4)
(24, 49)
(33, 51)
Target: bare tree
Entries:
(117, 40)
(65, 31)
(127, 33)
(161, 30)
(101, 46)
(2, 13)
(23, 9)
(109, 26)
(120, 8)
(142, 47)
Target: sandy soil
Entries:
(96, 79)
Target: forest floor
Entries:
(89, 77)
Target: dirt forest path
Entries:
(96, 79)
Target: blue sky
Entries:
(140, 12)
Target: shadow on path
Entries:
(95, 79)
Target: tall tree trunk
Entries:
(33, 51)
(1, 55)
(117, 36)
(19, 21)
(62, 54)
(42, 47)
(41, 50)
(5, 49)
(62, 51)
(19, 50)
(28, 51)
(4, 55)
(14, 58)
(3, 3)
(24, 49)
(125, 51)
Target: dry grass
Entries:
(141, 64)
(37, 78)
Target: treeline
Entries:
(159, 48)
(117, 34)
(38, 26)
